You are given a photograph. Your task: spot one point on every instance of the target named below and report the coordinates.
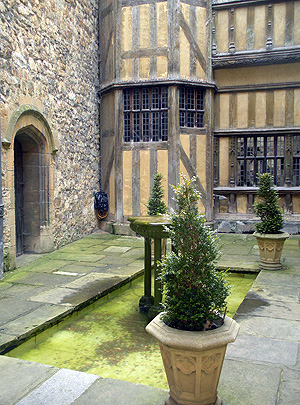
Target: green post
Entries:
(147, 300)
(157, 283)
(147, 268)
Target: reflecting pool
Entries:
(109, 339)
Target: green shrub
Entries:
(267, 208)
(155, 203)
(194, 290)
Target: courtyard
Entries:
(261, 367)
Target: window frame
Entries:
(260, 154)
(291, 157)
(145, 113)
(191, 107)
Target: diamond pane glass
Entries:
(250, 146)
(136, 127)
(270, 146)
(155, 126)
(146, 99)
(136, 99)
(250, 173)
(155, 98)
(259, 146)
(146, 131)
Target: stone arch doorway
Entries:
(29, 152)
(31, 190)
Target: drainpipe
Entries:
(1, 216)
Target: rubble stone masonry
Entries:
(49, 61)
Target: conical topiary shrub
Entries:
(195, 292)
(268, 207)
(155, 204)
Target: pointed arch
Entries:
(29, 115)
(30, 145)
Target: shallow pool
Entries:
(109, 338)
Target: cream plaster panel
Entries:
(144, 68)
(127, 69)
(296, 107)
(279, 24)
(223, 206)
(184, 45)
(285, 73)
(259, 27)
(241, 204)
(162, 24)
(222, 31)
(260, 109)
(242, 110)
(241, 29)
(112, 191)
(144, 26)
(279, 108)
(162, 66)
(224, 161)
(107, 105)
(127, 183)
(162, 167)
(185, 142)
(296, 204)
(201, 207)
(144, 180)
(297, 26)
(201, 39)
(200, 73)
(127, 28)
(224, 111)
(281, 202)
(201, 159)
(202, 29)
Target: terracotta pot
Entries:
(193, 360)
(270, 249)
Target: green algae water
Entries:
(109, 338)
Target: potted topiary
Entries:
(193, 332)
(268, 233)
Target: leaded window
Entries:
(296, 161)
(146, 114)
(260, 154)
(191, 107)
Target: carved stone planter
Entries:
(193, 360)
(270, 249)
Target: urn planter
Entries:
(193, 360)
(270, 249)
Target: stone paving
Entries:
(261, 367)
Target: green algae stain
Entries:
(109, 339)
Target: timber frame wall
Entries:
(245, 55)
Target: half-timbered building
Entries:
(206, 88)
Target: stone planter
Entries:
(193, 360)
(270, 249)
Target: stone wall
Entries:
(49, 60)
